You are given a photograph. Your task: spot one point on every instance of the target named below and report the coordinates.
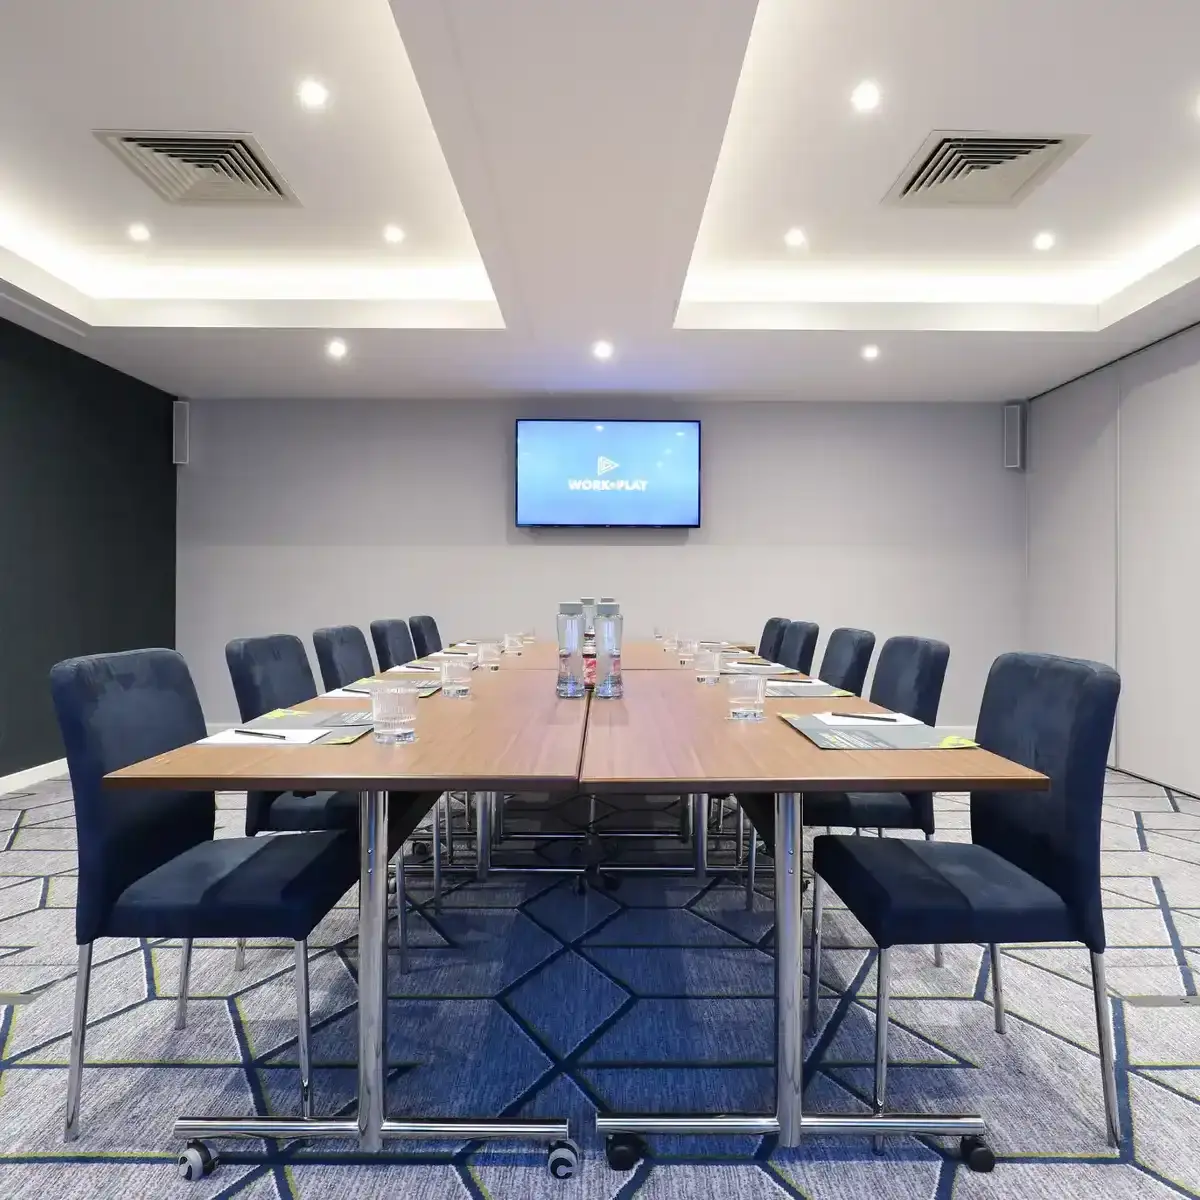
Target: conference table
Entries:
(668, 734)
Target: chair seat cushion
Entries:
(303, 811)
(339, 810)
(874, 810)
(278, 886)
(910, 892)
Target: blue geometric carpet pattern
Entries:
(523, 997)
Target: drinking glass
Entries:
(456, 678)
(394, 710)
(687, 652)
(659, 633)
(670, 642)
(489, 656)
(513, 642)
(529, 637)
(746, 696)
(708, 667)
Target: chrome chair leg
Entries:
(448, 824)
(83, 979)
(185, 970)
(437, 855)
(401, 913)
(239, 959)
(814, 955)
(305, 1022)
(700, 810)
(997, 987)
(741, 833)
(883, 996)
(1108, 1066)
(939, 957)
(685, 818)
(483, 834)
(751, 865)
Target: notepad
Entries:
(855, 722)
(881, 737)
(279, 737)
(779, 689)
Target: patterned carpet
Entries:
(524, 997)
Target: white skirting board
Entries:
(31, 775)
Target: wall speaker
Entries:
(1016, 418)
(179, 433)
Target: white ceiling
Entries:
(602, 168)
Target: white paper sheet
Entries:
(829, 718)
(415, 669)
(279, 737)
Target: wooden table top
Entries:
(639, 655)
(672, 733)
(513, 733)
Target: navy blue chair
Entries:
(149, 866)
(1031, 872)
(425, 635)
(846, 659)
(269, 673)
(342, 655)
(393, 643)
(798, 645)
(772, 635)
(908, 679)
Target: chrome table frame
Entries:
(789, 1121)
(371, 1125)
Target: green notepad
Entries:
(883, 737)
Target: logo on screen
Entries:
(604, 465)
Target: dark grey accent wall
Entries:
(87, 526)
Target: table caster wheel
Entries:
(196, 1162)
(976, 1153)
(624, 1151)
(563, 1159)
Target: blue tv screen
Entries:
(632, 474)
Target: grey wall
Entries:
(1114, 550)
(898, 518)
(87, 527)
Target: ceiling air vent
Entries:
(965, 168)
(199, 168)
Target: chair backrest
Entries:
(909, 674)
(268, 673)
(342, 655)
(1056, 716)
(114, 710)
(393, 643)
(425, 635)
(772, 635)
(798, 646)
(846, 659)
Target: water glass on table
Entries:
(670, 642)
(708, 667)
(687, 652)
(489, 656)
(529, 637)
(456, 678)
(747, 696)
(394, 710)
(513, 643)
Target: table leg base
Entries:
(822, 1125)
(417, 1128)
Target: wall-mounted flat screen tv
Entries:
(608, 474)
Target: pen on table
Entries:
(275, 737)
(416, 667)
(863, 717)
